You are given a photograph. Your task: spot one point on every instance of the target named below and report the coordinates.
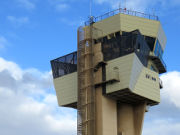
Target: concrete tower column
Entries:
(130, 119)
(106, 110)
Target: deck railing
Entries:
(122, 11)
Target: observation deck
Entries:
(121, 11)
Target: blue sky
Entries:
(37, 31)
(33, 32)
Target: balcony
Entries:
(64, 65)
(159, 63)
(120, 11)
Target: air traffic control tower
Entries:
(114, 75)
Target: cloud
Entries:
(130, 4)
(140, 5)
(3, 42)
(72, 23)
(18, 21)
(62, 7)
(26, 4)
(28, 104)
(162, 128)
(171, 89)
(164, 118)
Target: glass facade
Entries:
(150, 41)
(64, 65)
(158, 50)
(121, 45)
(115, 47)
(157, 59)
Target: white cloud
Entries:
(164, 119)
(18, 21)
(3, 42)
(140, 5)
(162, 128)
(171, 89)
(130, 4)
(74, 23)
(62, 7)
(26, 4)
(28, 104)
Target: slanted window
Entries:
(150, 41)
(64, 65)
(158, 50)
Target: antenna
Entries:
(153, 11)
(125, 3)
(119, 4)
(90, 8)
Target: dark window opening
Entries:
(117, 46)
(150, 41)
(158, 50)
(138, 46)
(64, 65)
(117, 34)
(126, 43)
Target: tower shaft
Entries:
(114, 74)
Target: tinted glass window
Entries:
(158, 50)
(150, 41)
(64, 65)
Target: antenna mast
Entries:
(119, 4)
(90, 8)
(125, 4)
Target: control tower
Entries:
(114, 76)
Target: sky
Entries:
(33, 32)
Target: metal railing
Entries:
(162, 61)
(122, 11)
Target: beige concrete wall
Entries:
(147, 27)
(132, 75)
(135, 72)
(107, 26)
(162, 37)
(125, 119)
(106, 109)
(130, 119)
(66, 89)
(124, 65)
(142, 86)
(106, 114)
(128, 23)
(146, 87)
